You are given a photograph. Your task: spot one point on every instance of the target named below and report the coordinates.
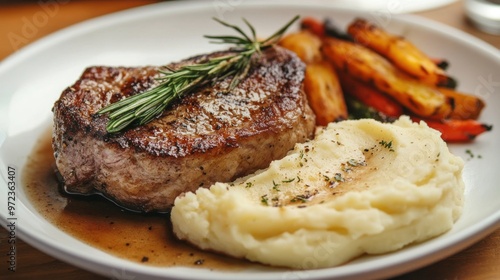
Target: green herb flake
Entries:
(355, 163)
(264, 200)
(275, 186)
(288, 181)
(338, 177)
(387, 145)
(299, 198)
(469, 152)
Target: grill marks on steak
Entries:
(207, 136)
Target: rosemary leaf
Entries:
(144, 107)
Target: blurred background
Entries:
(24, 21)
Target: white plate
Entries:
(394, 7)
(32, 79)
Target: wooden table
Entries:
(480, 261)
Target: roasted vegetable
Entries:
(371, 96)
(325, 28)
(359, 110)
(381, 76)
(313, 25)
(365, 65)
(324, 93)
(465, 106)
(457, 130)
(399, 51)
(321, 83)
(332, 30)
(305, 44)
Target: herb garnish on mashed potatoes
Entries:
(360, 186)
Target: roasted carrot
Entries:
(400, 51)
(368, 66)
(457, 130)
(465, 106)
(327, 28)
(371, 96)
(313, 25)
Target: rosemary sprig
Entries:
(142, 108)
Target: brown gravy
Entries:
(142, 238)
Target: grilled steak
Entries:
(207, 136)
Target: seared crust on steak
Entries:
(207, 136)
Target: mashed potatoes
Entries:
(358, 187)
